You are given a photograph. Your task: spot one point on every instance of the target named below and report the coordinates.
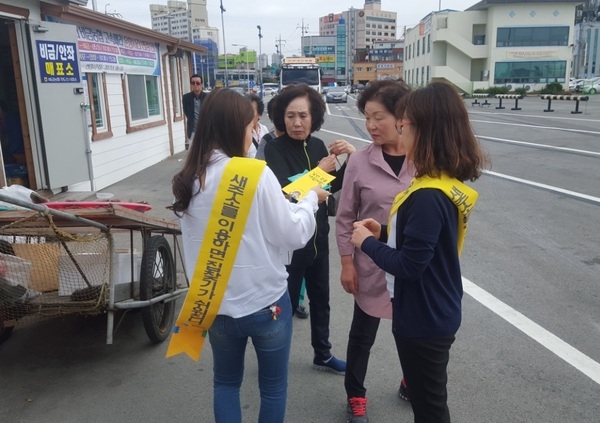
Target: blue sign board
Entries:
(251, 83)
(58, 61)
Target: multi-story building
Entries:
(513, 43)
(586, 50)
(351, 30)
(188, 20)
(383, 60)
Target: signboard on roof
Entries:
(103, 51)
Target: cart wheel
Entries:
(157, 277)
(5, 332)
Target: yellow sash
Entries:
(217, 254)
(461, 195)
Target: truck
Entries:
(300, 70)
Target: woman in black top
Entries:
(298, 113)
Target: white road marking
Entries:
(529, 126)
(544, 146)
(546, 187)
(554, 344)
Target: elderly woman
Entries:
(375, 174)
(298, 113)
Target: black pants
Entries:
(424, 363)
(360, 340)
(317, 288)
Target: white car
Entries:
(590, 86)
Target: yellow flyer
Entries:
(300, 187)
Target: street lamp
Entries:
(247, 71)
(259, 64)
(224, 48)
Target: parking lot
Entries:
(527, 350)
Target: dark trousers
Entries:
(317, 288)
(360, 340)
(424, 363)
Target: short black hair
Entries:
(292, 92)
(196, 76)
(260, 106)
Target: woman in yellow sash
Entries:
(234, 222)
(424, 237)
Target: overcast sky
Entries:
(278, 18)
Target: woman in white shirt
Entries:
(255, 303)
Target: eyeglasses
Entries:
(402, 124)
(196, 83)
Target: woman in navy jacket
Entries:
(428, 222)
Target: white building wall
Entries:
(455, 56)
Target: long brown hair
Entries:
(222, 123)
(444, 138)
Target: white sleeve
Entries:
(285, 225)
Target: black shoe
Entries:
(301, 312)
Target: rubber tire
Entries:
(5, 332)
(157, 277)
(592, 91)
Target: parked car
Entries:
(238, 90)
(356, 88)
(591, 86)
(575, 84)
(336, 95)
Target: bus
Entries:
(299, 70)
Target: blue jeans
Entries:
(271, 339)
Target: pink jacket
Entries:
(369, 189)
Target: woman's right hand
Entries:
(321, 193)
(348, 276)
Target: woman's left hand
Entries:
(338, 147)
(362, 230)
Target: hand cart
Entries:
(54, 263)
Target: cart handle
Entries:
(44, 209)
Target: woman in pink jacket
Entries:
(374, 175)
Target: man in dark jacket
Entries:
(192, 102)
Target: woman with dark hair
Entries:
(374, 175)
(298, 112)
(234, 217)
(427, 226)
(258, 130)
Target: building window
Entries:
(423, 45)
(428, 44)
(534, 72)
(418, 47)
(100, 117)
(142, 102)
(533, 36)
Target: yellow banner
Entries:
(217, 254)
(300, 187)
(463, 197)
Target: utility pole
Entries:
(304, 30)
(260, 79)
(279, 50)
(225, 84)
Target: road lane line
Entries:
(529, 126)
(566, 192)
(554, 344)
(544, 146)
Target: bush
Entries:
(552, 88)
(498, 90)
(522, 91)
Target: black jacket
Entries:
(188, 110)
(288, 157)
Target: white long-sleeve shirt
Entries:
(258, 278)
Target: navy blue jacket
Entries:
(427, 280)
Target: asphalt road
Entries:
(527, 350)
